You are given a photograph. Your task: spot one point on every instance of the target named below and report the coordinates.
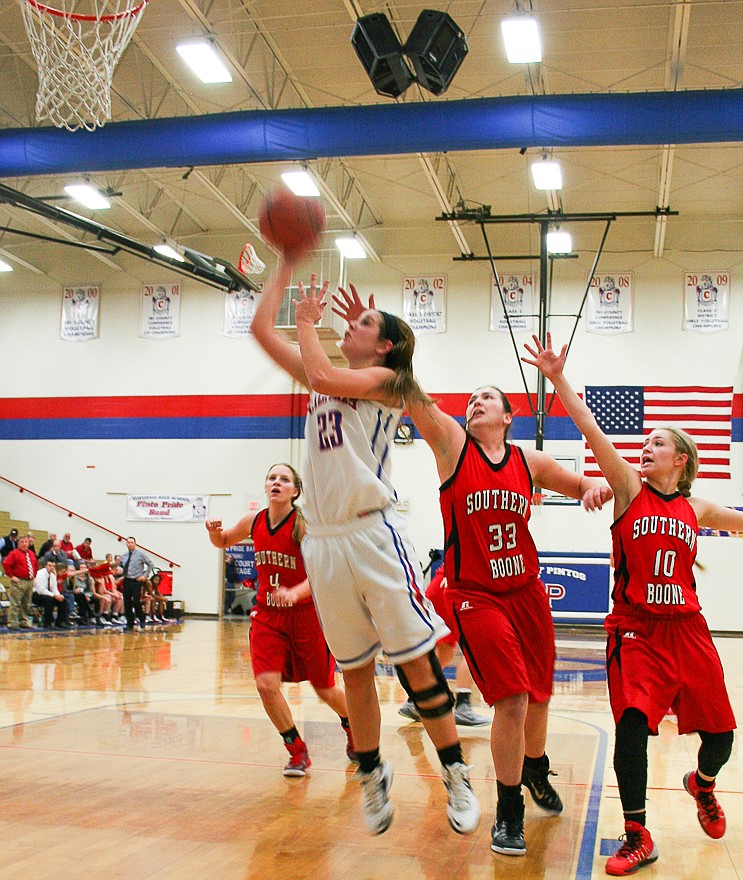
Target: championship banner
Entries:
(518, 294)
(239, 308)
(80, 312)
(167, 508)
(424, 303)
(160, 311)
(610, 304)
(706, 301)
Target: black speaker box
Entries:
(380, 52)
(436, 48)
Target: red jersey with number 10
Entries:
(486, 509)
(278, 558)
(655, 544)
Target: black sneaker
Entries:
(507, 835)
(540, 788)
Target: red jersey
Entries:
(486, 509)
(278, 559)
(655, 544)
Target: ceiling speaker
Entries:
(436, 48)
(380, 52)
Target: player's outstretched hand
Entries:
(213, 525)
(595, 497)
(544, 358)
(311, 304)
(350, 308)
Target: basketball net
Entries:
(250, 263)
(77, 45)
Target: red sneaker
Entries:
(709, 812)
(637, 851)
(299, 760)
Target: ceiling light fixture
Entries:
(87, 195)
(546, 174)
(559, 242)
(301, 183)
(167, 250)
(521, 36)
(350, 248)
(5, 267)
(204, 61)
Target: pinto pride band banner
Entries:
(166, 508)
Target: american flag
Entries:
(626, 414)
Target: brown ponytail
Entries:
(403, 386)
(684, 445)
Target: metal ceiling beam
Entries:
(674, 73)
(276, 91)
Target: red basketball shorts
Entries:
(290, 641)
(655, 661)
(508, 640)
(439, 596)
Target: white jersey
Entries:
(347, 469)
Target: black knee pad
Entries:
(441, 687)
(714, 752)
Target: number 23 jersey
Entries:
(486, 509)
(655, 544)
(347, 469)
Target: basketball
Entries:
(291, 223)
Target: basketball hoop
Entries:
(77, 47)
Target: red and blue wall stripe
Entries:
(225, 416)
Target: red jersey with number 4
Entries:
(655, 544)
(486, 509)
(278, 558)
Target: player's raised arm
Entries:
(621, 476)
(263, 328)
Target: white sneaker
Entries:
(375, 804)
(463, 808)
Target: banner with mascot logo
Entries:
(160, 311)
(80, 312)
(424, 303)
(239, 308)
(518, 295)
(610, 303)
(706, 301)
(167, 508)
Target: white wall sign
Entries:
(160, 311)
(239, 308)
(706, 301)
(424, 303)
(167, 508)
(610, 303)
(518, 294)
(80, 312)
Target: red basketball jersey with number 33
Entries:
(486, 509)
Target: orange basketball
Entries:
(289, 222)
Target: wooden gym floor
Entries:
(148, 757)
